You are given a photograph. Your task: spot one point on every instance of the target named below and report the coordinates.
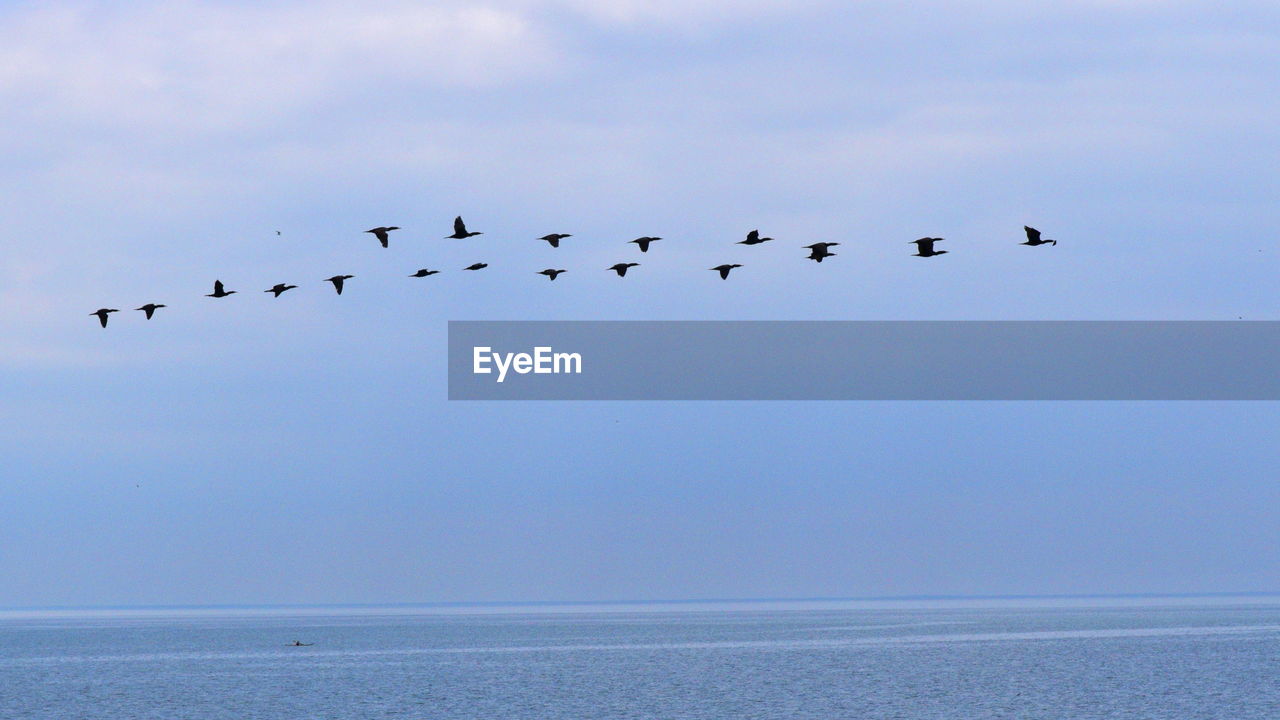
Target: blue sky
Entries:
(301, 449)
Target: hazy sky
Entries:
(251, 450)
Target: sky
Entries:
(301, 450)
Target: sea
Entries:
(1061, 659)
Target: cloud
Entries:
(209, 66)
(680, 12)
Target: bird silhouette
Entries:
(822, 246)
(551, 273)
(381, 233)
(219, 291)
(1033, 237)
(460, 230)
(102, 314)
(753, 238)
(621, 268)
(817, 253)
(424, 272)
(476, 266)
(337, 281)
(724, 270)
(924, 247)
(643, 242)
(149, 309)
(279, 288)
(555, 238)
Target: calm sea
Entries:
(817, 660)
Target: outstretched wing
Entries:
(1033, 235)
(217, 287)
(459, 227)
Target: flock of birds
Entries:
(817, 252)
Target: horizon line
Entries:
(664, 601)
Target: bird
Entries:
(753, 238)
(299, 643)
(551, 273)
(555, 238)
(924, 247)
(102, 314)
(424, 272)
(460, 230)
(381, 233)
(818, 253)
(643, 242)
(219, 292)
(1033, 237)
(337, 281)
(476, 266)
(149, 309)
(281, 287)
(621, 268)
(724, 270)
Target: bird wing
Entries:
(459, 227)
(217, 287)
(753, 236)
(1032, 234)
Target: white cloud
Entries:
(211, 66)
(679, 12)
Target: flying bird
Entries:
(337, 281)
(460, 230)
(643, 242)
(102, 314)
(724, 270)
(621, 268)
(219, 292)
(476, 266)
(149, 309)
(551, 273)
(819, 252)
(381, 233)
(555, 238)
(281, 287)
(424, 272)
(753, 238)
(821, 247)
(1033, 237)
(924, 247)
